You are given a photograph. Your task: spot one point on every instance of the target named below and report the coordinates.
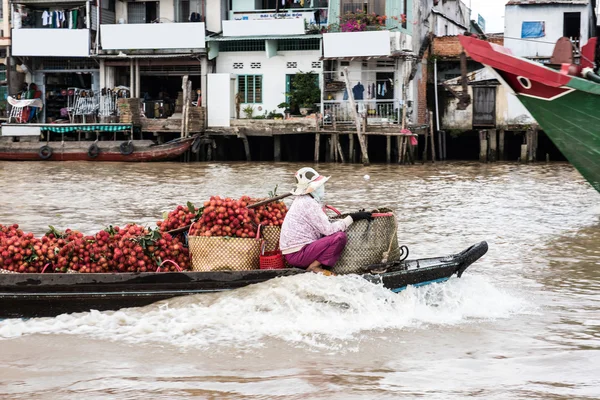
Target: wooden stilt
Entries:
(432, 137)
(336, 142)
(445, 137)
(404, 146)
(351, 148)
(530, 145)
(317, 146)
(536, 134)
(501, 145)
(493, 143)
(328, 149)
(361, 138)
(388, 149)
(246, 147)
(332, 148)
(424, 158)
(399, 148)
(339, 150)
(277, 148)
(483, 146)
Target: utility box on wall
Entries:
(220, 99)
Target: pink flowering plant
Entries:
(360, 21)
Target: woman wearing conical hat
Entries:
(308, 239)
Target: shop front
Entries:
(69, 89)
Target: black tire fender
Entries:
(93, 151)
(45, 152)
(126, 148)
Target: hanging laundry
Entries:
(358, 91)
(345, 94)
(383, 88)
(369, 92)
(45, 18)
(74, 14)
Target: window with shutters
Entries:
(250, 86)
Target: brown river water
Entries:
(523, 322)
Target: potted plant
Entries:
(286, 109)
(305, 91)
(248, 111)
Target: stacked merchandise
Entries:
(179, 103)
(130, 111)
(196, 119)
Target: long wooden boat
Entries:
(565, 106)
(47, 295)
(31, 148)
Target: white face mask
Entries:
(319, 193)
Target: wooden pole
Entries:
(404, 146)
(432, 136)
(317, 146)
(399, 148)
(351, 147)
(184, 89)
(187, 111)
(529, 145)
(388, 149)
(361, 139)
(501, 145)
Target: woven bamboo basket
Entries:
(369, 242)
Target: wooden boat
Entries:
(47, 295)
(564, 105)
(31, 148)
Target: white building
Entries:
(532, 27)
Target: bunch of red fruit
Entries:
(130, 249)
(20, 251)
(230, 217)
(180, 217)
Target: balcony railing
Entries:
(181, 35)
(376, 111)
(263, 27)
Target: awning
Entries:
(86, 127)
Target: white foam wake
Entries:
(309, 308)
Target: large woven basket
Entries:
(369, 242)
(271, 236)
(224, 253)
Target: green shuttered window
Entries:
(250, 86)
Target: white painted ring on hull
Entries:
(525, 82)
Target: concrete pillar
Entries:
(138, 93)
(483, 146)
(388, 149)
(501, 145)
(493, 144)
(277, 148)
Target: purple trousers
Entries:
(326, 250)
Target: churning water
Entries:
(523, 322)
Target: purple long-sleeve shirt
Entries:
(306, 222)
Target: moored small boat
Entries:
(45, 295)
(30, 148)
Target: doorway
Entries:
(484, 106)
(142, 12)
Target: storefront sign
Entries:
(309, 16)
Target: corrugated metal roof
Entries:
(535, 2)
(270, 37)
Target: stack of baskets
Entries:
(237, 254)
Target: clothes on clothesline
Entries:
(64, 18)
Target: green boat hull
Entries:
(572, 122)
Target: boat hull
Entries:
(48, 295)
(144, 150)
(566, 107)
